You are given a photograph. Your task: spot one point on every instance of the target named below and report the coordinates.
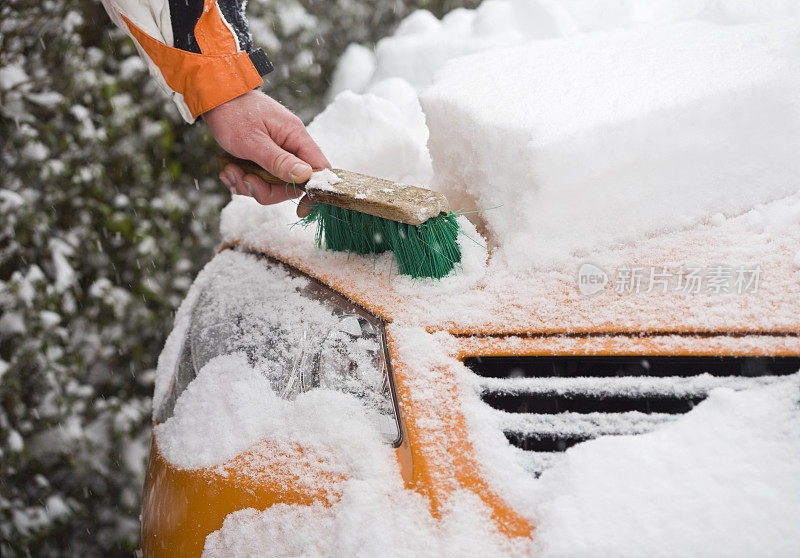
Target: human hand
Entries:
(256, 127)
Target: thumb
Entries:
(278, 161)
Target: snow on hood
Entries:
(758, 247)
(723, 480)
(654, 142)
(685, 489)
(369, 520)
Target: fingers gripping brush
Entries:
(366, 215)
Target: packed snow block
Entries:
(593, 15)
(606, 138)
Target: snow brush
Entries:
(367, 215)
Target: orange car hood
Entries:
(491, 297)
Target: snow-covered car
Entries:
(629, 292)
(289, 378)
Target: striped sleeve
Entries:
(199, 51)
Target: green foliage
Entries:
(100, 235)
(108, 208)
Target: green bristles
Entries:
(427, 250)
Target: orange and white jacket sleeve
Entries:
(199, 51)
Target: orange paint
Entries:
(443, 457)
(649, 345)
(182, 507)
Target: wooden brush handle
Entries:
(249, 167)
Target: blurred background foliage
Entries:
(108, 208)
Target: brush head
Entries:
(429, 249)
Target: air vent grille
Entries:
(547, 404)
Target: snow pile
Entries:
(376, 515)
(381, 133)
(654, 141)
(231, 406)
(283, 332)
(422, 44)
(608, 138)
(593, 15)
(370, 520)
(586, 139)
(375, 124)
(323, 180)
(723, 480)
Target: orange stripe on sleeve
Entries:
(213, 36)
(205, 80)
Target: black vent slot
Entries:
(549, 403)
(609, 366)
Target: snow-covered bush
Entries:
(101, 230)
(108, 207)
(305, 39)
